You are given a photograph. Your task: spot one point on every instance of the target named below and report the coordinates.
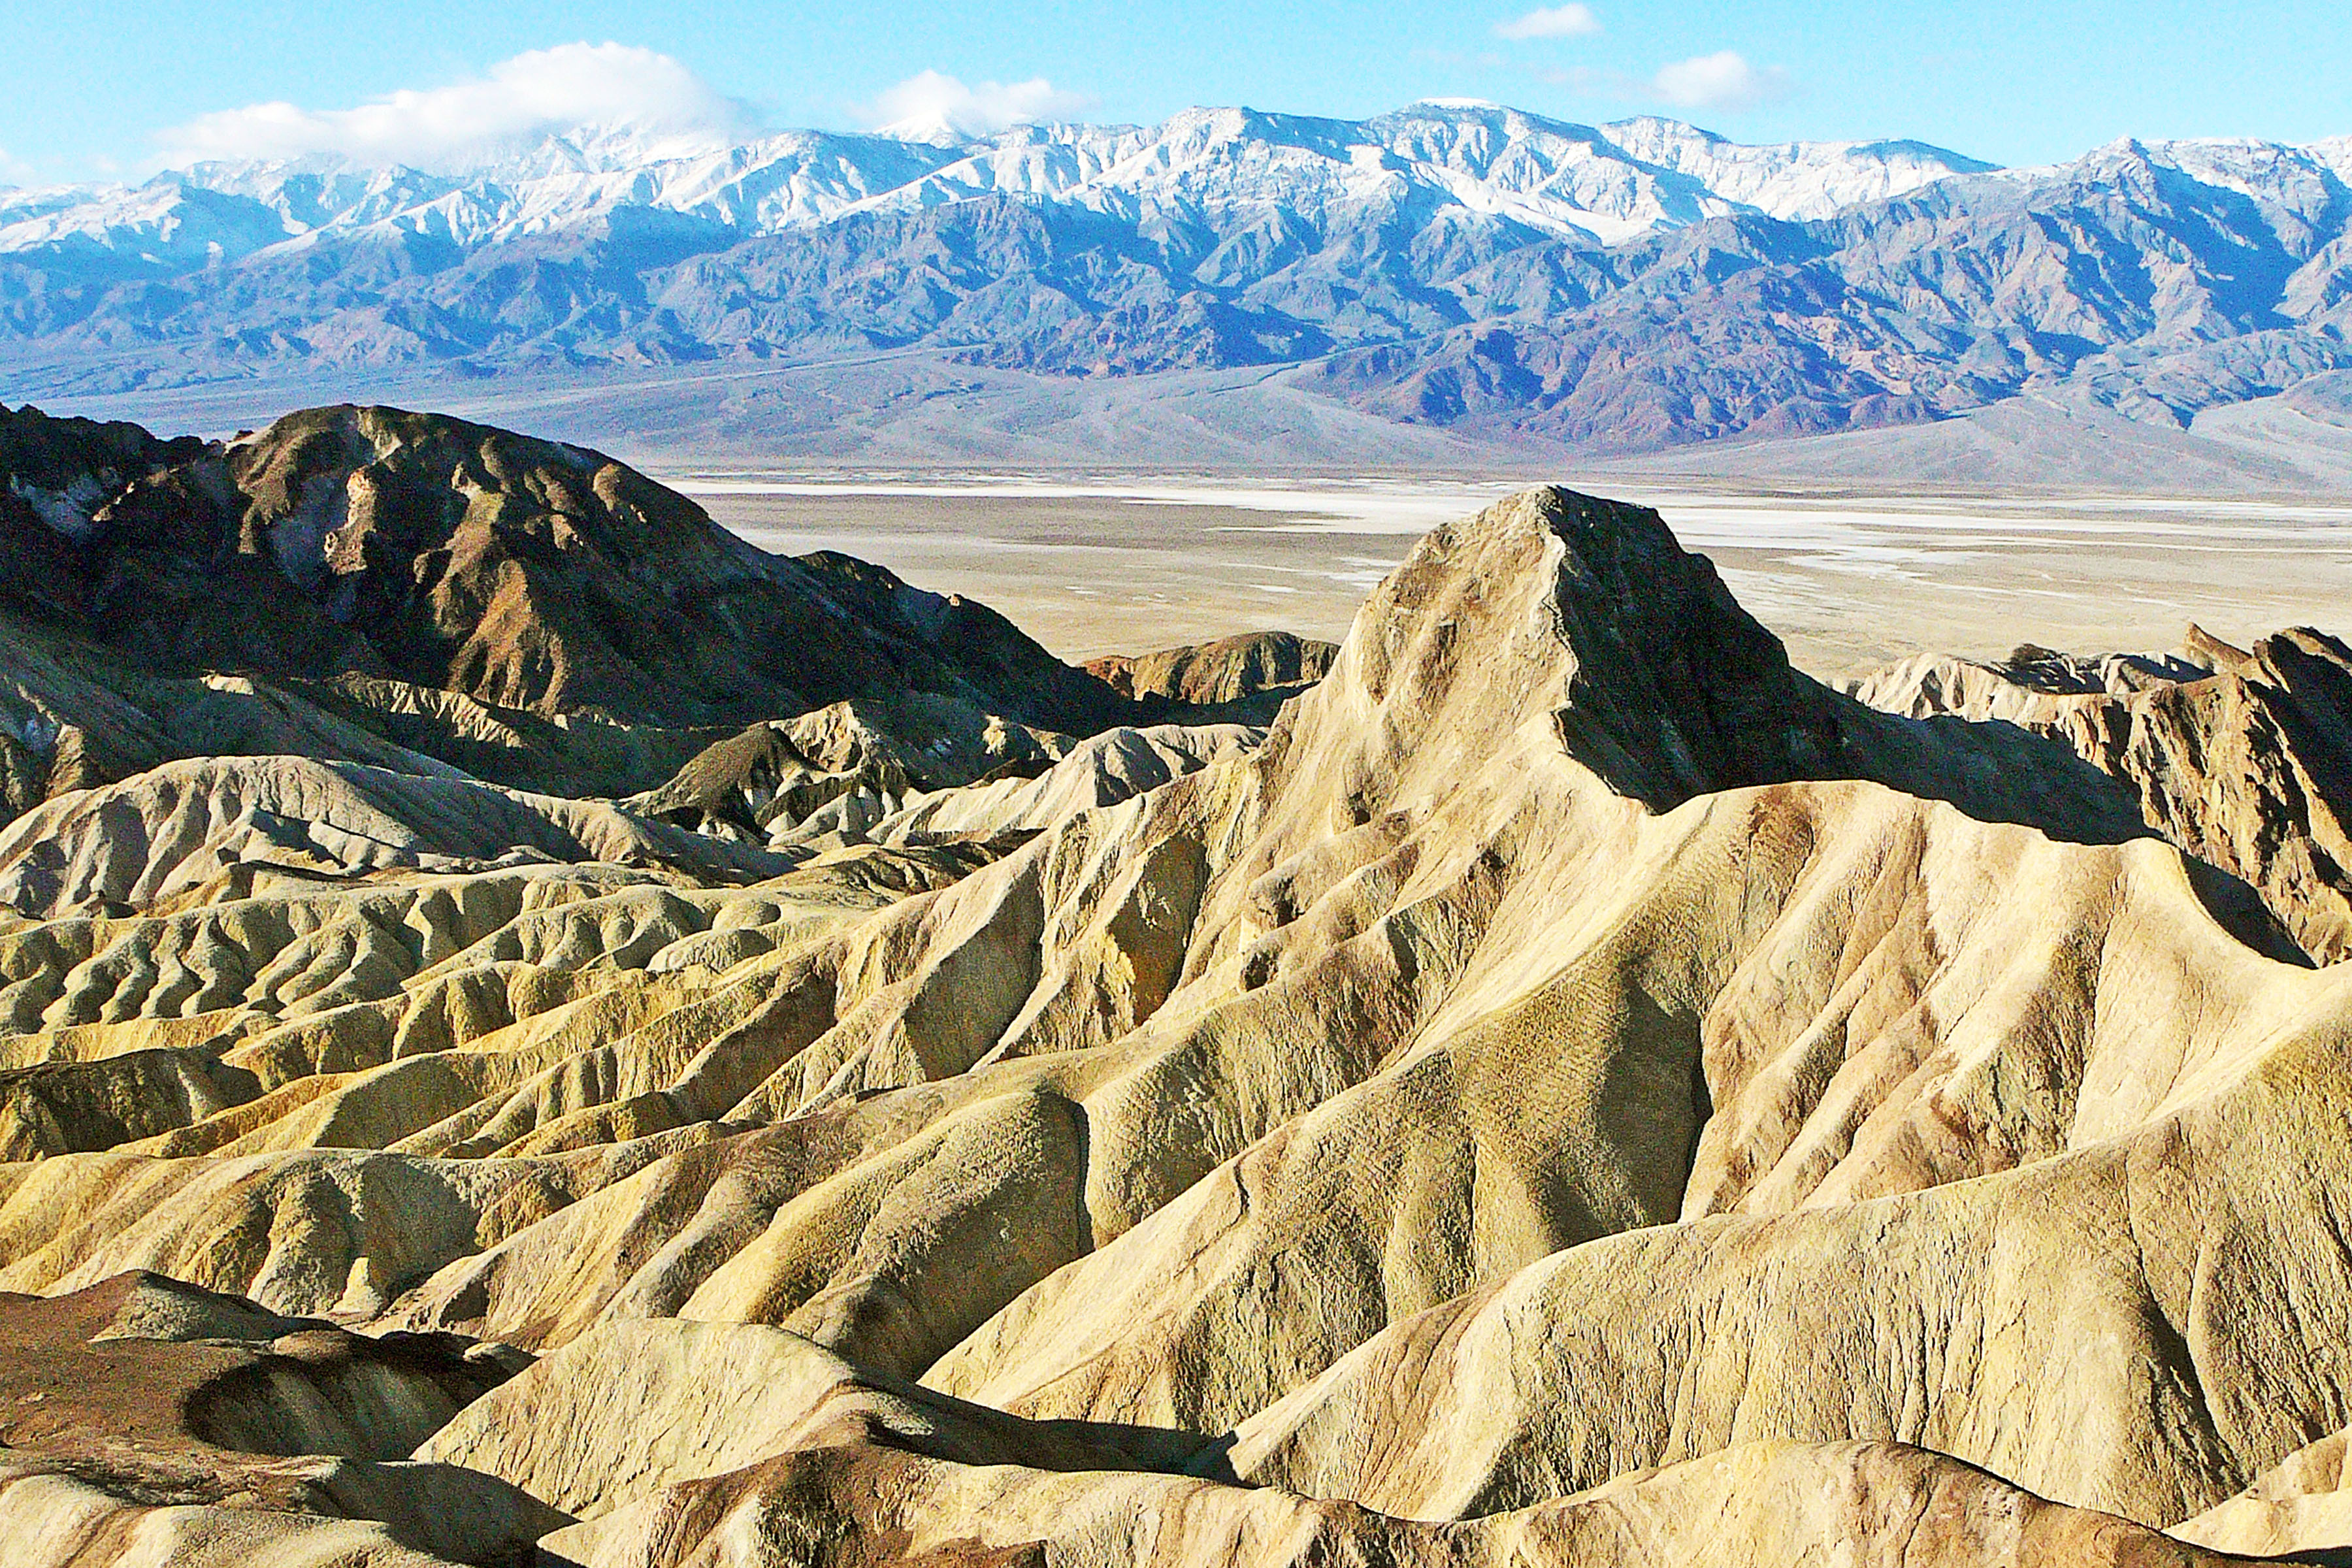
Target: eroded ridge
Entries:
(1571, 1090)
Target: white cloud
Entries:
(1723, 81)
(933, 104)
(1550, 22)
(569, 87)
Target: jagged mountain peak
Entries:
(2242, 163)
(1583, 615)
(1559, 625)
(777, 180)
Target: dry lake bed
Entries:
(1848, 580)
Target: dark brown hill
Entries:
(520, 573)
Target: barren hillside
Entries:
(530, 1029)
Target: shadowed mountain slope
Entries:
(412, 592)
(2243, 759)
(521, 573)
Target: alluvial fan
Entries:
(786, 1072)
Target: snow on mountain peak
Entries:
(1480, 159)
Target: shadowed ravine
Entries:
(534, 1027)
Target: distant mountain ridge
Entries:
(1606, 183)
(1627, 287)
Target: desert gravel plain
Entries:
(1848, 579)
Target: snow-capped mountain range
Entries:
(1628, 284)
(1572, 181)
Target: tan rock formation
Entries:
(160, 836)
(632, 1409)
(1101, 770)
(52, 1520)
(267, 1439)
(2244, 760)
(2298, 1506)
(1243, 678)
(1574, 1092)
(1872, 1505)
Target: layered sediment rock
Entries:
(1573, 1091)
(1241, 677)
(151, 1421)
(379, 585)
(2243, 759)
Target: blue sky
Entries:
(113, 85)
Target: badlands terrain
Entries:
(532, 1029)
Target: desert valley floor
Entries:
(1847, 579)
(535, 1028)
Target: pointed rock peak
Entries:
(2315, 672)
(1676, 690)
(1588, 614)
(2201, 647)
